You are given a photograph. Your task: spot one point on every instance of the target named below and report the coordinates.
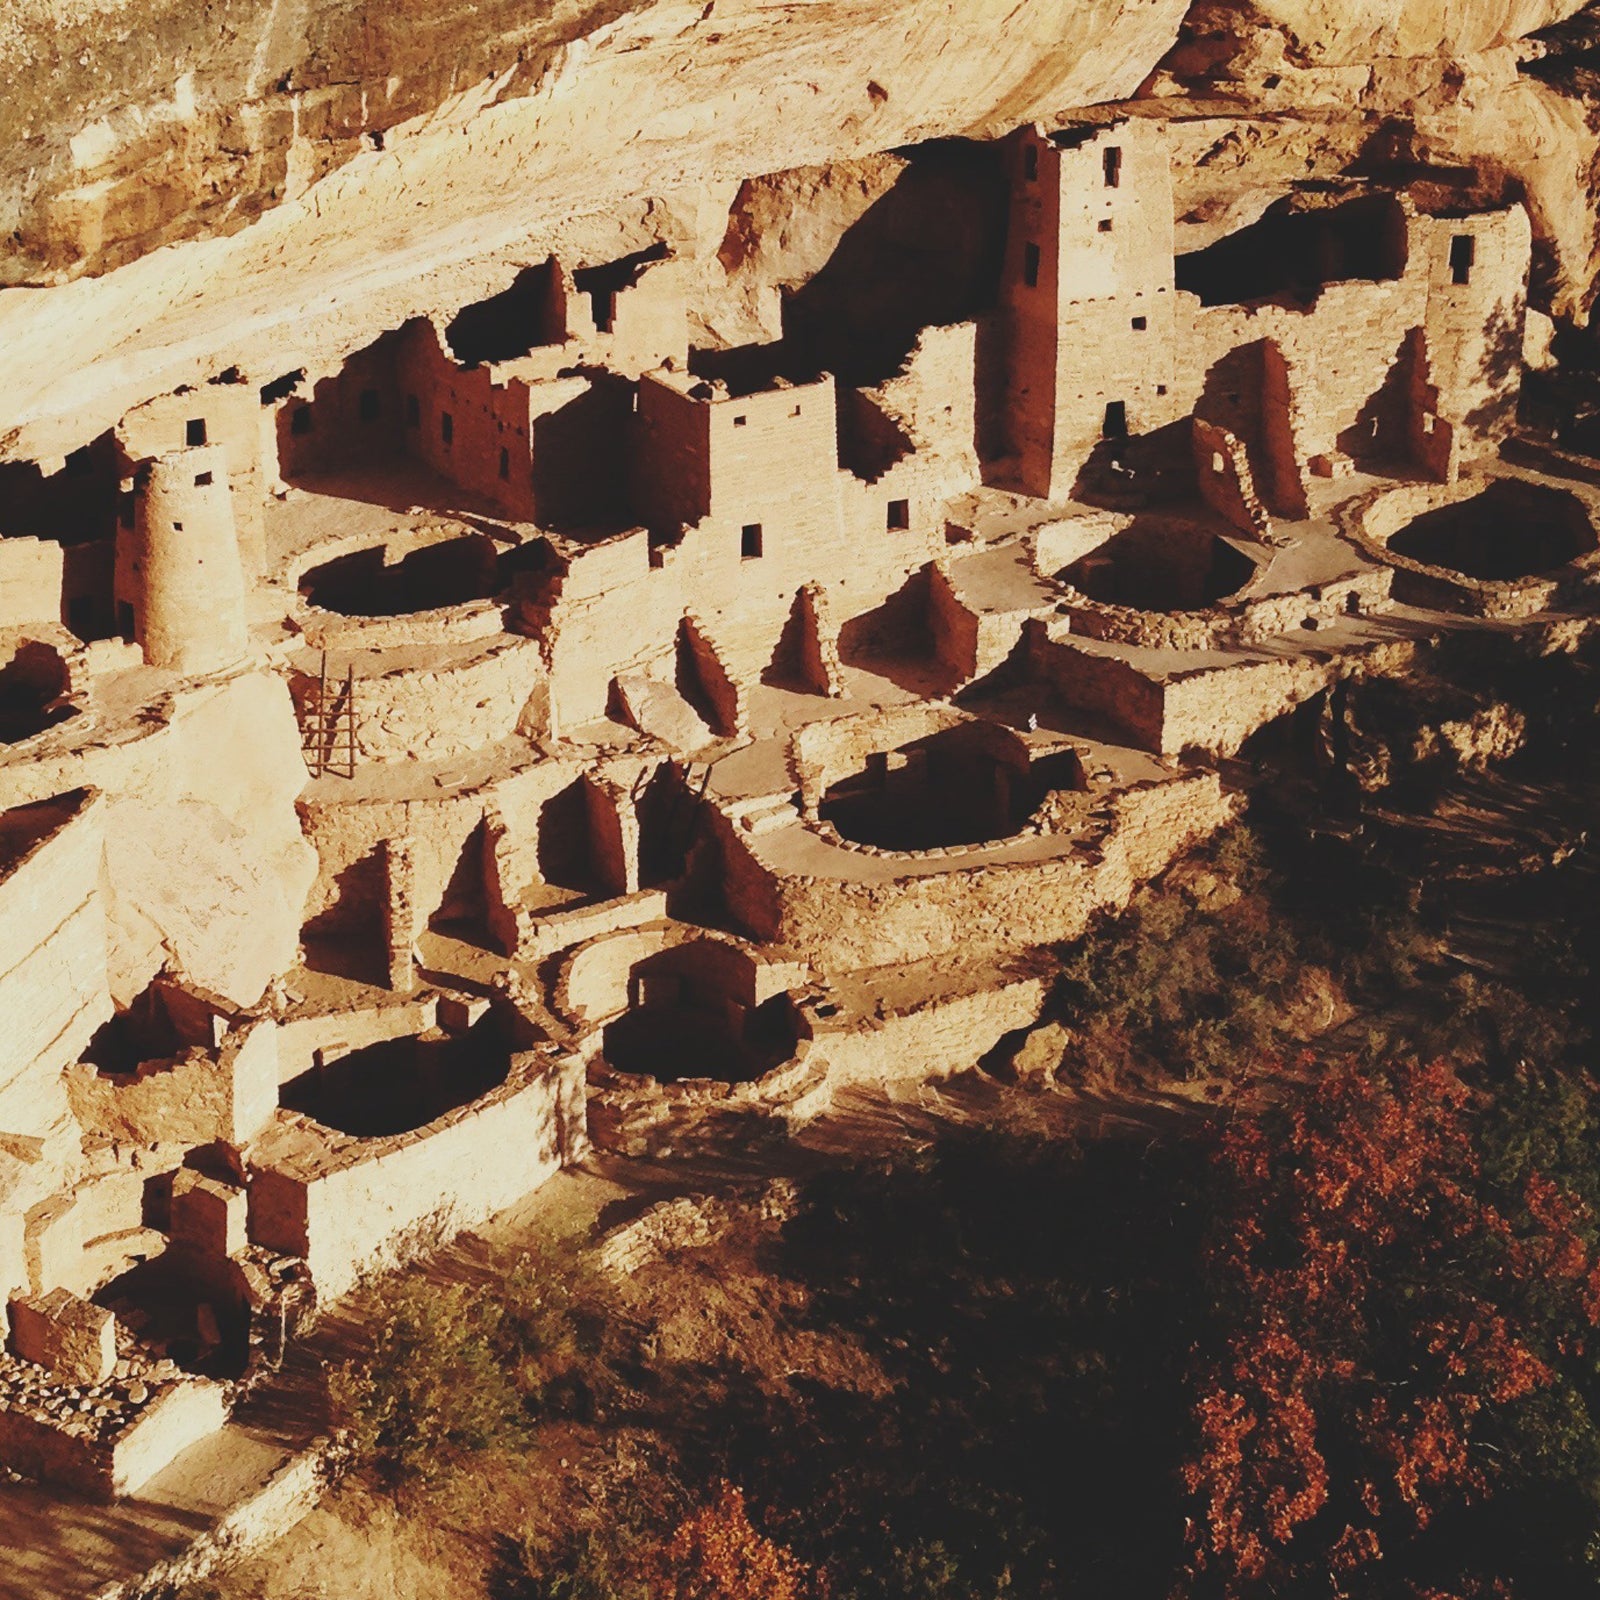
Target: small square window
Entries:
(1140, 324)
(1161, 388)
(300, 420)
(447, 427)
(740, 422)
(369, 405)
(202, 480)
(795, 412)
(1105, 224)
(413, 412)
(899, 515)
(194, 431)
(750, 541)
(1030, 265)
(1030, 162)
(177, 527)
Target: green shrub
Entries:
(452, 1368)
(591, 1565)
(432, 1385)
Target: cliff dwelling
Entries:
(497, 684)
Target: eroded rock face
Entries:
(319, 169)
(491, 139)
(1354, 32)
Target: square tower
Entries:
(1087, 296)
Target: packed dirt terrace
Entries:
(550, 726)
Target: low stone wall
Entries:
(31, 581)
(286, 1498)
(1212, 708)
(592, 986)
(823, 752)
(53, 977)
(982, 909)
(1243, 622)
(451, 702)
(228, 1093)
(351, 1206)
(337, 1033)
(1108, 687)
(935, 1039)
(448, 625)
(108, 1464)
(540, 934)
(1372, 521)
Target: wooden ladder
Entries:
(328, 725)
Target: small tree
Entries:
(1390, 1317)
(716, 1554)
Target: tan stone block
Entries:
(207, 1214)
(74, 1339)
(457, 1013)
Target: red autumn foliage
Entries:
(716, 1554)
(1377, 1306)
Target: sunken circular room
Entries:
(400, 1085)
(693, 1012)
(1161, 566)
(1511, 530)
(368, 583)
(964, 785)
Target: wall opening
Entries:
(1463, 257)
(899, 516)
(1111, 163)
(73, 506)
(1030, 162)
(603, 286)
(1030, 265)
(1116, 422)
(750, 539)
(447, 427)
(194, 431)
